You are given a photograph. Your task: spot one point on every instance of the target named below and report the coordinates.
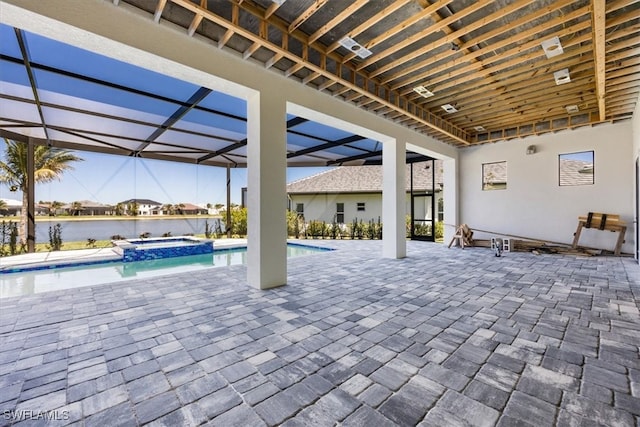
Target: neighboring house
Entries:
(87, 208)
(191, 209)
(355, 192)
(12, 207)
(146, 207)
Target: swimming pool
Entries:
(31, 280)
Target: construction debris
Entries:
(538, 247)
(601, 221)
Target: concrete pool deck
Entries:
(444, 337)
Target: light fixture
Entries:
(552, 47)
(423, 91)
(454, 47)
(278, 2)
(531, 149)
(449, 108)
(572, 109)
(562, 76)
(355, 47)
(479, 128)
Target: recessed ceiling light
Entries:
(355, 47)
(562, 76)
(423, 91)
(572, 108)
(552, 47)
(479, 128)
(449, 108)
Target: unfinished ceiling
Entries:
(463, 71)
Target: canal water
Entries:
(105, 229)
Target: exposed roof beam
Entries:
(402, 26)
(418, 114)
(469, 55)
(271, 9)
(337, 20)
(598, 16)
(370, 22)
(424, 33)
(317, 4)
(159, 8)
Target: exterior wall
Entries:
(534, 205)
(322, 207)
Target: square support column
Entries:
(450, 196)
(266, 190)
(394, 241)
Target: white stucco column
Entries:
(394, 242)
(266, 189)
(450, 196)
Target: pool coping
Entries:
(43, 260)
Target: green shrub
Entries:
(55, 237)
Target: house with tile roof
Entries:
(355, 192)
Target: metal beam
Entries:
(198, 96)
(222, 151)
(352, 158)
(32, 80)
(331, 144)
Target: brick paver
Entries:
(442, 337)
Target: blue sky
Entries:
(110, 179)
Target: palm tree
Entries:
(49, 164)
(76, 207)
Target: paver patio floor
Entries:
(444, 337)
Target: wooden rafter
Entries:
(501, 65)
(337, 20)
(424, 33)
(421, 115)
(470, 56)
(317, 4)
(397, 29)
(598, 17)
(393, 7)
(159, 8)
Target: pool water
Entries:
(36, 281)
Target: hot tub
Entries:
(161, 247)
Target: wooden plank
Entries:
(317, 4)
(337, 20)
(598, 19)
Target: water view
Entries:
(103, 229)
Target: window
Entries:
(300, 209)
(360, 207)
(340, 213)
(576, 168)
(494, 176)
